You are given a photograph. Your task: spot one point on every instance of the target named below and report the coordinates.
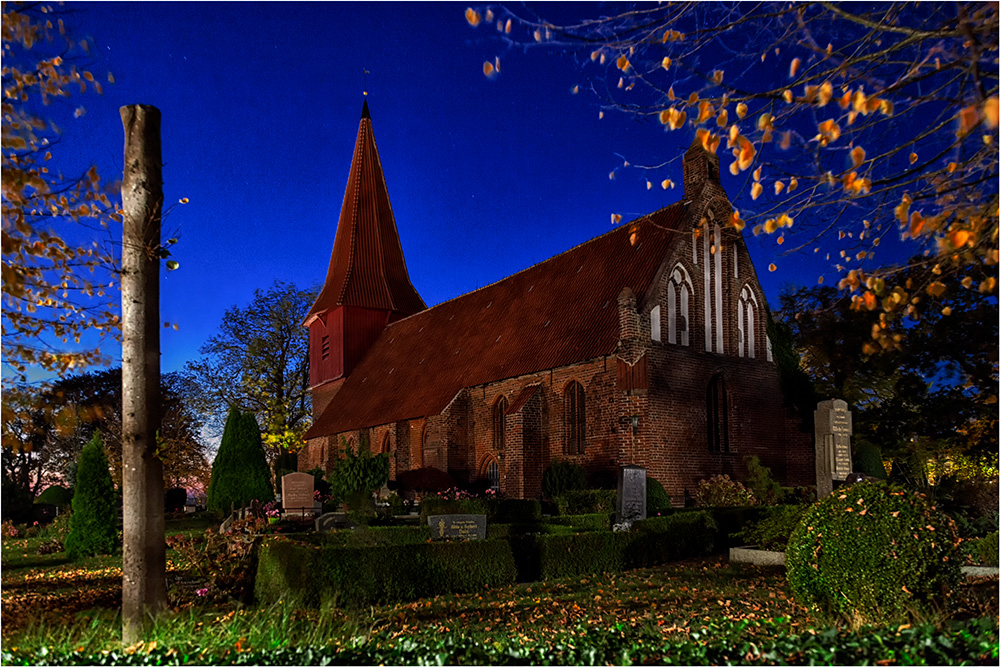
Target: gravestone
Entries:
(457, 526)
(834, 426)
(333, 521)
(631, 494)
(297, 493)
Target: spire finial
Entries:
(366, 72)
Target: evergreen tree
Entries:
(93, 527)
(239, 473)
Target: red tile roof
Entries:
(367, 267)
(555, 313)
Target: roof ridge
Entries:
(618, 227)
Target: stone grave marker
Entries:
(834, 426)
(457, 526)
(332, 521)
(297, 494)
(631, 494)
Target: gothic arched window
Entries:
(576, 418)
(746, 322)
(717, 415)
(499, 434)
(679, 293)
(493, 474)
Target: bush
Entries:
(563, 476)
(356, 475)
(760, 483)
(721, 491)
(667, 538)
(657, 500)
(594, 501)
(873, 553)
(982, 550)
(239, 473)
(223, 561)
(497, 510)
(372, 536)
(93, 527)
(56, 495)
(774, 529)
(16, 501)
(360, 576)
(868, 460)
(582, 522)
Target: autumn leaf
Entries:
(755, 191)
(473, 17)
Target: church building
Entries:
(644, 346)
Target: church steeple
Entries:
(367, 284)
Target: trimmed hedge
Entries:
(506, 510)
(598, 521)
(358, 576)
(372, 536)
(731, 521)
(591, 501)
(873, 552)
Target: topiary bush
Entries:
(93, 526)
(563, 476)
(721, 491)
(56, 495)
(239, 473)
(657, 500)
(590, 501)
(873, 553)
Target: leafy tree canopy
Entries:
(259, 362)
(847, 124)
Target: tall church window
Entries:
(654, 324)
(746, 322)
(499, 434)
(493, 474)
(576, 418)
(679, 291)
(717, 413)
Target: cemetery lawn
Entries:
(67, 606)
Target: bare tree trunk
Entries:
(144, 588)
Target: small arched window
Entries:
(679, 293)
(493, 475)
(576, 418)
(499, 432)
(717, 415)
(386, 444)
(746, 322)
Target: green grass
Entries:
(68, 607)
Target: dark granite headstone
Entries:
(631, 494)
(333, 521)
(457, 526)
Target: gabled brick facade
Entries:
(661, 322)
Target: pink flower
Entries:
(202, 592)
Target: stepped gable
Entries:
(367, 268)
(555, 313)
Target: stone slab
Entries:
(631, 494)
(333, 521)
(297, 490)
(457, 526)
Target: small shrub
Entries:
(56, 495)
(760, 483)
(58, 528)
(721, 491)
(775, 528)
(582, 522)
(657, 500)
(93, 527)
(563, 476)
(868, 460)
(223, 561)
(982, 550)
(873, 553)
(356, 475)
(592, 501)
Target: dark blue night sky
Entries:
(261, 103)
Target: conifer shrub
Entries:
(562, 476)
(657, 500)
(93, 526)
(240, 473)
(868, 460)
(873, 553)
(764, 488)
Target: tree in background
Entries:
(93, 528)
(259, 362)
(47, 428)
(848, 124)
(934, 393)
(240, 473)
(58, 281)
